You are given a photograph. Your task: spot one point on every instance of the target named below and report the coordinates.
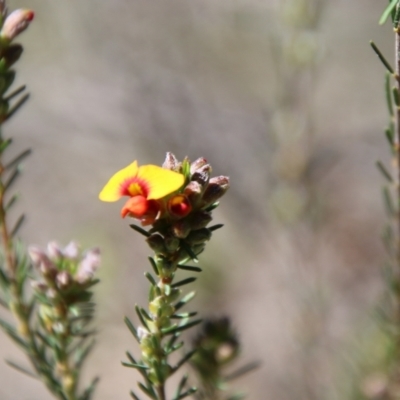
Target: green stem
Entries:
(397, 144)
(161, 392)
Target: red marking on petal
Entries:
(134, 186)
(179, 206)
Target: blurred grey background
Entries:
(285, 97)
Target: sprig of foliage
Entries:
(52, 323)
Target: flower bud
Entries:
(202, 175)
(63, 280)
(156, 243)
(39, 286)
(71, 250)
(198, 237)
(54, 251)
(216, 188)
(171, 243)
(179, 206)
(16, 23)
(171, 162)
(40, 260)
(193, 191)
(88, 266)
(181, 228)
(197, 164)
(200, 219)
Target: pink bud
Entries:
(71, 251)
(88, 266)
(171, 162)
(54, 250)
(16, 23)
(63, 279)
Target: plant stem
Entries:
(161, 392)
(397, 141)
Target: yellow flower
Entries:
(143, 185)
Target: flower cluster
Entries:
(66, 273)
(176, 199)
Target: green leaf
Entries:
(187, 357)
(173, 329)
(12, 333)
(88, 393)
(140, 230)
(16, 92)
(381, 56)
(149, 393)
(184, 315)
(396, 97)
(12, 178)
(171, 349)
(388, 11)
(189, 250)
(183, 282)
(389, 93)
(385, 173)
(389, 136)
(187, 393)
(215, 227)
(154, 266)
(136, 366)
(132, 328)
(18, 159)
(396, 18)
(17, 225)
(82, 353)
(11, 202)
(25, 371)
(389, 206)
(181, 386)
(150, 278)
(133, 395)
(17, 106)
(4, 144)
(4, 281)
(142, 320)
(184, 300)
(189, 268)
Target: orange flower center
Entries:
(134, 187)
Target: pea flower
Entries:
(145, 186)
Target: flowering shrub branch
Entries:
(52, 322)
(176, 201)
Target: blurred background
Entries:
(286, 97)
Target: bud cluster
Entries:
(182, 231)
(65, 273)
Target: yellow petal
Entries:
(112, 190)
(159, 181)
